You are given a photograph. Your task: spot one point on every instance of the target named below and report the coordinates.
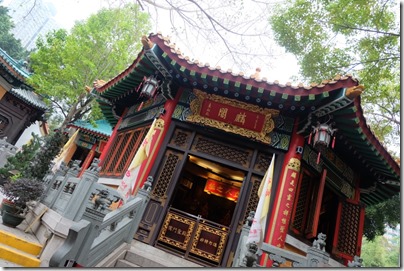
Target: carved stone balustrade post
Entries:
(241, 247)
(95, 217)
(316, 255)
(356, 262)
(144, 194)
(50, 179)
(55, 188)
(80, 197)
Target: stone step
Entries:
(18, 250)
(148, 256)
(18, 257)
(125, 264)
(19, 243)
(139, 258)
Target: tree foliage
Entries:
(97, 48)
(8, 42)
(380, 252)
(34, 158)
(343, 36)
(20, 162)
(380, 215)
(51, 146)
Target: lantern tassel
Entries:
(318, 157)
(140, 106)
(310, 138)
(333, 142)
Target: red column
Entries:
(111, 139)
(88, 159)
(285, 196)
(169, 108)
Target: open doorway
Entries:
(208, 190)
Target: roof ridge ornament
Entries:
(256, 75)
(146, 42)
(354, 91)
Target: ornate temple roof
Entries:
(102, 129)
(29, 97)
(14, 67)
(338, 97)
(16, 74)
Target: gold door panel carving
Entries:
(177, 231)
(209, 242)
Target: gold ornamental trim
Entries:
(294, 164)
(263, 136)
(187, 234)
(219, 246)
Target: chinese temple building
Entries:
(88, 143)
(20, 106)
(212, 141)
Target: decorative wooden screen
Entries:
(240, 156)
(311, 229)
(306, 213)
(299, 215)
(253, 197)
(349, 229)
(169, 167)
(122, 152)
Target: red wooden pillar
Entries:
(111, 139)
(88, 160)
(285, 196)
(169, 107)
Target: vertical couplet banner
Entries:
(257, 230)
(128, 183)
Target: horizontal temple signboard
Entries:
(232, 116)
(221, 189)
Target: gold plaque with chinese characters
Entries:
(176, 231)
(232, 116)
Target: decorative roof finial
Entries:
(147, 44)
(354, 92)
(256, 75)
(99, 83)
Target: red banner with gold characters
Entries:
(283, 210)
(220, 189)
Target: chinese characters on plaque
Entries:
(232, 116)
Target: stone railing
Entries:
(316, 256)
(77, 219)
(69, 195)
(97, 234)
(99, 231)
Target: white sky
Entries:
(70, 11)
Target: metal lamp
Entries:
(322, 137)
(149, 86)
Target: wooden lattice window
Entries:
(121, 154)
(169, 166)
(253, 198)
(306, 212)
(350, 220)
(241, 156)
